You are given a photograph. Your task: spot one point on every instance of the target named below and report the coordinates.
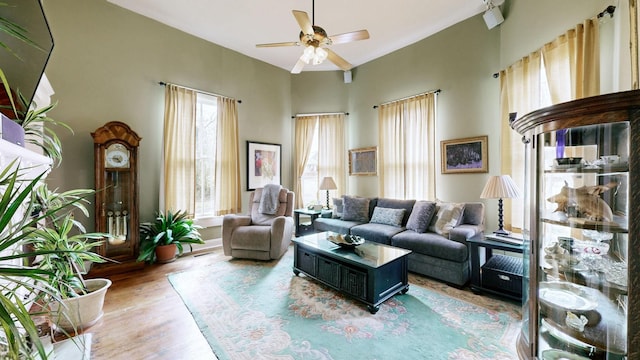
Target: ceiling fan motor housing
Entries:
(319, 37)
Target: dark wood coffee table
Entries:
(371, 272)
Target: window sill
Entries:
(207, 222)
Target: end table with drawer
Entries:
(500, 274)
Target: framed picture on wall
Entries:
(467, 155)
(264, 164)
(363, 161)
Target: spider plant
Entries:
(64, 254)
(21, 285)
(18, 332)
(37, 128)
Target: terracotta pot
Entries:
(84, 310)
(166, 253)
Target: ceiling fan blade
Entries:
(336, 59)
(303, 21)
(298, 67)
(350, 36)
(291, 43)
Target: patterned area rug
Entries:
(261, 310)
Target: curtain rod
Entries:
(609, 10)
(319, 114)
(437, 91)
(199, 91)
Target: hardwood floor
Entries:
(145, 319)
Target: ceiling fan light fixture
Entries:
(321, 55)
(314, 55)
(308, 54)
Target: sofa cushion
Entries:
(473, 213)
(337, 208)
(407, 205)
(431, 244)
(379, 233)
(334, 225)
(421, 215)
(355, 208)
(382, 215)
(448, 216)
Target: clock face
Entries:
(117, 156)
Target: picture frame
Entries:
(264, 164)
(363, 161)
(465, 155)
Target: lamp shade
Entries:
(328, 184)
(500, 187)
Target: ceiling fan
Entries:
(315, 40)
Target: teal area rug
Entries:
(261, 310)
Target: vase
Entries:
(560, 143)
(79, 313)
(166, 253)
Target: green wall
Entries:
(460, 61)
(107, 62)
(106, 65)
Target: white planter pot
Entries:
(84, 310)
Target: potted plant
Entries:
(23, 285)
(64, 255)
(162, 239)
(36, 125)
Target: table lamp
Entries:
(328, 184)
(500, 187)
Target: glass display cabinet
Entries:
(582, 264)
(116, 205)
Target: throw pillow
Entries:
(355, 208)
(421, 215)
(387, 216)
(448, 216)
(337, 208)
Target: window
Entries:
(206, 134)
(406, 157)
(201, 156)
(320, 152)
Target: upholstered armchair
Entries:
(258, 235)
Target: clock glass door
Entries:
(116, 212)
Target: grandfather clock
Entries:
(116, 207)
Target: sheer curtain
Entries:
(407, 148)
(179, 149)
(572, 71)
(305, 127)
(521, 92)
(331, 150)
(227, 174)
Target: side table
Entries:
(305, 228)
(500, 274)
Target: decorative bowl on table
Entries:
(346, 241)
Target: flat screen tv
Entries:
(24, 64)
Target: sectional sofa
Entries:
(436, 232)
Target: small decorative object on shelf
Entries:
(578, 302)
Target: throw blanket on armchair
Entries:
(269, 201)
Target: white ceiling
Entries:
(241, 24)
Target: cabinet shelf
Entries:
(584, 224)
(605, 170)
